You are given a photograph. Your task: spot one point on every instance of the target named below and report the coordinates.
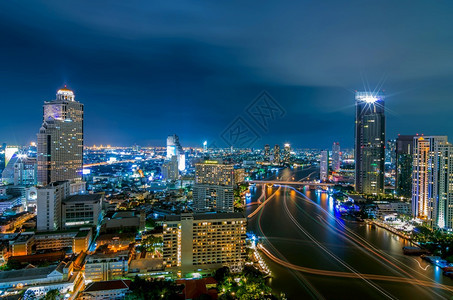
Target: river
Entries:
(300, 227)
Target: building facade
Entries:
(81, 210)
(26, 171)
(432, 181)
(204, 241)
(369, 143)
(267, 152)
(106, 266)
(277, 159)
(213, 189)
(174, 148)
(404, 158)
(60, 139)
(336, 157)
(286, 153)
(324, 165)
(49, 200)
(170, 171)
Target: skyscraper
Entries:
(336, 157)
(369, 143)
(60, 139)
(432, 181)
(324, 165)
(277, 154)
(170, 169)
(267, 152)
(286, 153)
(174, 148)
(213, 189)
(404, 157)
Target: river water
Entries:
(300, 227)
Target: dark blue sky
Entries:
(145, 70)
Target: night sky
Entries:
(146, 70)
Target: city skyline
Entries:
(226, 150)
(188, 76)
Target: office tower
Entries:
(267, 152)
(286, 153)
(432, 181)
(25, 170)
(174, 148)
(277, 154)
(49, 202)
(213, 189)
(214, 173)
(170, 170)
(204, 241)
(60, 139)
(205, 146)
(404, 157)
(369, 143)
(336, 157)
(324, 165)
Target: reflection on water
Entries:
(364, 248)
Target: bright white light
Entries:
(205, 143)
(370, 99)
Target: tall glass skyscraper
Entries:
(404, 157)
(60, 139)
(369, 142)
(336, 157)
(324, 166)
(174, 148)
(432, 181)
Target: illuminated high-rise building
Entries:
(286, 153)
(432, 181)
(170, 170)
(267, 152)
(60, 139)
(277, 154)
(174, 148)
(204, 241)
(369, 143)
(336, 157)
(213, 189)
(324, 165)
(404, 157)
(25, 170)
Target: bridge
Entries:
(310, 183)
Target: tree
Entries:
(52, 295)
(151, 243)
(150, 223)
(153, 289)
(221, 273)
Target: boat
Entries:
(410, 250)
